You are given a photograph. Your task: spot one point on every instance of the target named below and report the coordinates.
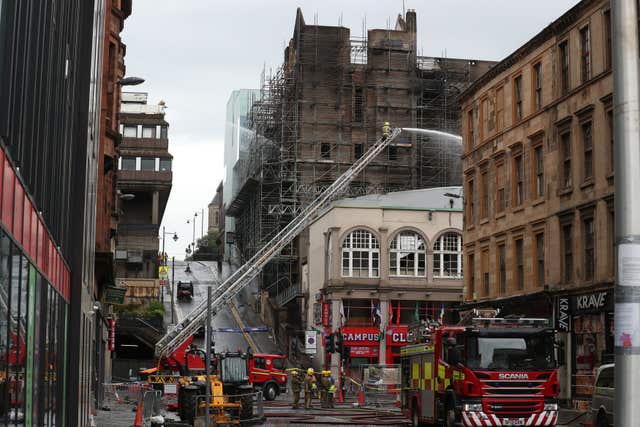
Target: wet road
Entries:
(202, 274)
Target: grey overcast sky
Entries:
(193, 53)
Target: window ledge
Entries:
(564, 191)
(538, 201)
(400, 276)
(470, 227)
(610, 176)
(518, 209)
(484, 221)
(501, 215)
(586, 184)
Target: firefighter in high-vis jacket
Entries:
(310, 388)
(386, 130)
(332, 393)
(296, 388)
(325, 383)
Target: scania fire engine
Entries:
(484, 372)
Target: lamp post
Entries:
(164, 257)
(193, 241)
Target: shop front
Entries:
(588, 318)
(364, 347)
(395, 338)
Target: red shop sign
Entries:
(326, 312)
(360, 336)
(397, 335)
(363, 351)
(112, 334)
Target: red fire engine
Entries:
(486, 372)
(267, 371)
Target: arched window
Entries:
(407, 255)
(447, 256)
(360, 255)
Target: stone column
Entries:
(155, 208)
(384, 308)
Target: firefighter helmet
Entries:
(310, 371)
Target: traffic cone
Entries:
(340, 397)
(398, 402)
(138, 420)
(361, 397)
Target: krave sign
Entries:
(597, 301)
(563, 318)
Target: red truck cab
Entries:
(267, 371)
(493, 372)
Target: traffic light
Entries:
(330, 344)
(339, 347)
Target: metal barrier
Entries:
(381, 384)
(227, 409)
(122, 394)
(151, 404)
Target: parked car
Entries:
(603, 396)
(185, 291)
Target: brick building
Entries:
(106, 202)
(144, 184)
(538, 177)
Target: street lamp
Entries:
(193, 241)
(130, 81)
(175, 239)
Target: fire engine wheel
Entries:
(270, 392)
(602, 421)
(450, 417)
(415, 417)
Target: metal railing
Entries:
(288, 294)
(243, 276)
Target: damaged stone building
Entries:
(318, 113)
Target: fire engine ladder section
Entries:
(223, 293)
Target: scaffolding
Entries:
(324, 107)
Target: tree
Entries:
(207, 248)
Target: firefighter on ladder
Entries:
(386, 130)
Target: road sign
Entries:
(163, 272)
(310, 342)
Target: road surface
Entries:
(202, 274)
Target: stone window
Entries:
(447, 256)
(407, 255)
(360, 255)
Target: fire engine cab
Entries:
(487, 371)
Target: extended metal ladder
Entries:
(243, 276)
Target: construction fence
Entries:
(381, 385)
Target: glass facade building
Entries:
(33, 321)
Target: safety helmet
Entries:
(294, 372)
(310, 371)
(326, 373)
(386, 123)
